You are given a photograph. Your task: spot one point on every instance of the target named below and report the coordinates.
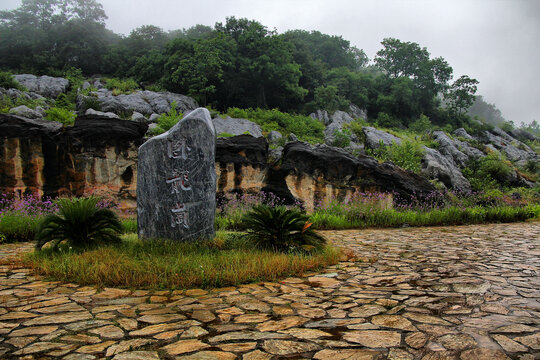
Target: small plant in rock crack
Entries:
(281, 229)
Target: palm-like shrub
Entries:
(81, 223)
(281, 229)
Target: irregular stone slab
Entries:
(184, 346)
(159, 319)
(154, 329)
(416, 340)
(472, 288)
(257, 355)
(285, 323)
(176, 181)
(347, 354)
(374, 338)
(483, 354)
(238, 347)
(367, 311)
(427, 319)
(508, 344)
(59, 318)
(457, 341)
(137, 355)
(94, 349)
(37, 330)
(246, 335)
(38, 347)
(532, 341)
(209, 355)
(393, 321)
(306, 334)
(287, 347)
(126, 345)
(109, 332)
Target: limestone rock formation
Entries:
(44, 85)
(234, 126)
(374, 138)
(436, 166)
(145, 102)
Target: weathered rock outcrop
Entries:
(43, 85)
(436, 166)
(95, 156)
(375, 137)
(337, 122)
(145, 102)
(234, 126)
(450, 148)
(99, 156)
(318, 174)
(515, 150)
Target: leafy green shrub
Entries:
(421, 125)
(7, 103)
(385, 120)
(8, 82)
(81, 223)
(168, 120)
(306, 128)
(60, 115)
(342, 138)
(126, 86)
(3, 238)
(281, 229)
(91, 102)
(496, 166)
(407, 155)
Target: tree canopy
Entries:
(238, 63)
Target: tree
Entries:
(460, 96)
(48, 35)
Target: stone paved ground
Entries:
(468, 292)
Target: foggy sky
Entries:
(494, 41)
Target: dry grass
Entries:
(167, 265)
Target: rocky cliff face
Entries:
(99, 156)
(95, 156)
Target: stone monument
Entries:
(176, 181)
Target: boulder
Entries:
(101, 113)
(292, 138)
(145, 102)
(436, 166)
(337, 122)
(523, 135)
(357, 113)
(26, 112)
(274, 136)
(96, 130)
(234, 126)
(322, 116)
(45, 85)
(322, 165)
(514, 149)
(449, 148)
(374, 137)
(136, 116)
(461, 132)
(153, 118)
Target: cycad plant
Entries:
(81, 223)
(281, 229)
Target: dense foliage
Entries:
(238, 63)
(81, 223)
(281, 229)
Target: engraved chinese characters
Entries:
(176, 181)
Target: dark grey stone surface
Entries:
(176, 181)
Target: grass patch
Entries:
(452, 215)
(226, 261)
(18, 227)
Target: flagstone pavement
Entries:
(469, 292)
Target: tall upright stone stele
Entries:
(176, 181)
